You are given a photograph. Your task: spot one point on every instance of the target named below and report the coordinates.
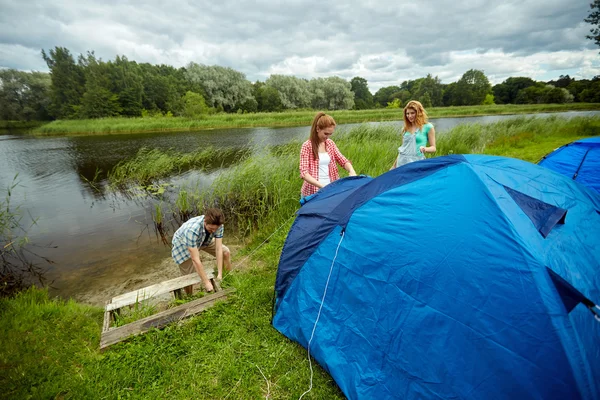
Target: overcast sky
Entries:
(383, 42)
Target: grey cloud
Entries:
(253, 36)
(338, 63)
(378, 62)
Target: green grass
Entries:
(522, 137)
(45, 345)
(137, 311)
(281, 119)
(221, 354)
(50, 347)
(149, 165)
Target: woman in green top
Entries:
(417, 133)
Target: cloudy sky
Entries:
(385, 42)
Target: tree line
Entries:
(88, 87)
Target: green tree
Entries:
(395, 103)
(577, 87)
(294, 92)
(562, 82)
(427, 90)
(507, 91)
(594, 19)
(449, 94)
(127, 83)
(98, 101)
(221, 86)
(155, 94)
(250, 105)
(68, 83)
(532, 94)
(194, 105)
(542, 93)
(268, 99)
(385, 95)
(489, 99)
(363, 99)
(164, 87)
(331, 93)
(471, 89)
(591, 94)
(24, 96)
(425, 100)
(403, 95)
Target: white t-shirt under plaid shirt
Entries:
(191, 234)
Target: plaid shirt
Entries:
(191, 234)
(308, 164)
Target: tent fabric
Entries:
(331, 205)
(579, 160)
(441, 285)
(569, 295)
(543, 215)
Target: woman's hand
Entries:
(422, 149)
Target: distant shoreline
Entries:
(121, 125)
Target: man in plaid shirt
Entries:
(201, 233)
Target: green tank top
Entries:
(421, 135)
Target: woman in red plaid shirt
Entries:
(319, 155)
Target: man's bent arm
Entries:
(195, 255)
(219, 254)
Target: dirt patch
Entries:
(128, 277)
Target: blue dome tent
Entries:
(453, 277)
(579, 160)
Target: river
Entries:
(101, 241)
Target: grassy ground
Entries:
(288, 118)
(50, 347)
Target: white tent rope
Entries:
(319, 316)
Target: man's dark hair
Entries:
(214, 216)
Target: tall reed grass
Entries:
(264, 188)
(150, 165)
(19, 263)
(281, 119)
(539, 135)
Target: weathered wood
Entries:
(106, 323)
(161, 319)
(216, 285)
(155, 290)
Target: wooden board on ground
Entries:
(137, 296)
(111, 336)
(116, 335)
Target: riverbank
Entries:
(50, 346)
(106, 126)
(17, 125)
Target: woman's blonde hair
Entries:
(321, 121)
(421, 117)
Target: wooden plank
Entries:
(106, 323)
(155, 290)
(164, 287)
(161, 319)
(216, 285)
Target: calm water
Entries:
(98, 236)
